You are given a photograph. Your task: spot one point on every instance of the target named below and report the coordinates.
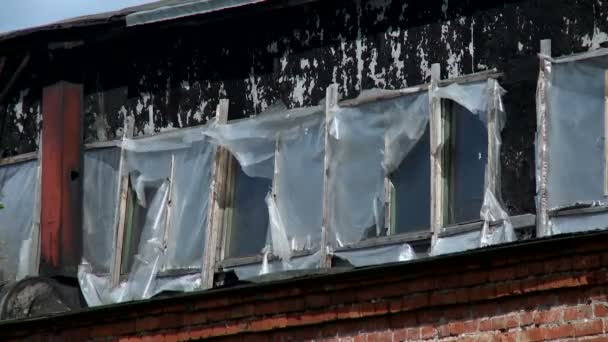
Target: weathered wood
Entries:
(19, 158)
(215, 214)
(542, 141)
(475, 77)
(437, 145)
(121, 213)
(331, 102)
(606, 133)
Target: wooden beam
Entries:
(543, 141)
(606, 133)
(331, 102)
(61, 215)
(215, 214)
(437, 145)
(121, 212)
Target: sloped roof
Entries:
(138, 15)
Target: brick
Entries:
(592, 327)
(577, 313)
(473, 278)
(415, 302)
(559, 331)
(459, 328)
(485, 324)
(502, 274)
(385, 336)
(533, 334)
(600, 310)
(427, 332)
(511, 321)
(401, 335)
(548, 316)
(583, 262)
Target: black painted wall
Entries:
(169, 76)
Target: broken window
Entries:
(278, 188)
(164, 217)
(571, 145)
(469, 118)
(467, 156)
(100, 197)
(19, 220)
(248, 230)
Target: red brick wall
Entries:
(549, 290)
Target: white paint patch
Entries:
(185, 85)
(454, 66)
(425, 69)
(299, 89)
(444, 8)
(378, 78)
(273, 47)
(18, 110)
(520, 46)
(593, 42)
(304, 64)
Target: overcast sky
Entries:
(20, 14)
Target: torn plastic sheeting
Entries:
(367, 142)
(312, 261)
(165, 141)
(297, 136)
(17, 194)
(100, 195)
(166, 242)
(299, 187)
(485, 100)
(456, 243)
(252, 141)
(378, 255)
(578, 223)
(497, 226)
(575, 148)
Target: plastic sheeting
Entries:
(576, 133)
(456, 243)
(366, 143)
(290, 144)
(378, 255)
(579, 223)
(571, 168)
(100, 195)
(308, 262)
(483, 99)
(172, 236)
(18, 188)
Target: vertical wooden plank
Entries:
(389, 195)
(121, 212)
(437, 141)
(543, 141)
(61, 184)
(606, 133)
(331, 103)
(215, 215)
(168, 217)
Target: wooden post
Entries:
(331, 102)
(215, 215)
(606, 133)
(437, 145)
(121, 212)
(543, 141)
(61, 184)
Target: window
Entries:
(571, 143)
(249, 223)
(20, 218)
(466, 160)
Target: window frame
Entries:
(37, 212)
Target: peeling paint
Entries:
(594, 42)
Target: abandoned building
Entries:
(337, 170)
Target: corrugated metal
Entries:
(185, 9)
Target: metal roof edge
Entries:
(184, 10)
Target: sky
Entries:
(21, 14)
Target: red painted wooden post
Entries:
(61, 217)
